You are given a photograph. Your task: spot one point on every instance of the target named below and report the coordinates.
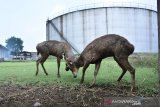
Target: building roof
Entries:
(89, 4)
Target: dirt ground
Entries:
(57, 96)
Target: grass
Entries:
(23, 73)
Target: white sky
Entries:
(26, 19)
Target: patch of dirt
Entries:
(58, 96)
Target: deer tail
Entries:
(130, 47)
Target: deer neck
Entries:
(80, 62)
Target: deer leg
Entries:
(44, 68)
(83, 72)
(97, 66)
(123, 69)
(58, 65)
(42, 62)
(125, 63)
(121, 76)
(37, 64)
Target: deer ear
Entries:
(66, 58)
(67, 67)
(71, 63)
(63, 54)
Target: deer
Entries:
(111, 45)
(54, 48)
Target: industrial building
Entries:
(135, 20)
(4, 53)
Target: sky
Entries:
(26, 19)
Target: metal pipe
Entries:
(158, 12)
(62, 37)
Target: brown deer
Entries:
(55, 48)
(105, 46)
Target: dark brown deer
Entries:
(55, 48)
(106, 46)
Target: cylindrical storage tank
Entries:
(134, 20)
(4, 53)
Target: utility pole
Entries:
(158, 14)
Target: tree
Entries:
(15, 45)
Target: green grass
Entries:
(23, 73)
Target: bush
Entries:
(144, 60)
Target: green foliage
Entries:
(15, 45)
(144, 59)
